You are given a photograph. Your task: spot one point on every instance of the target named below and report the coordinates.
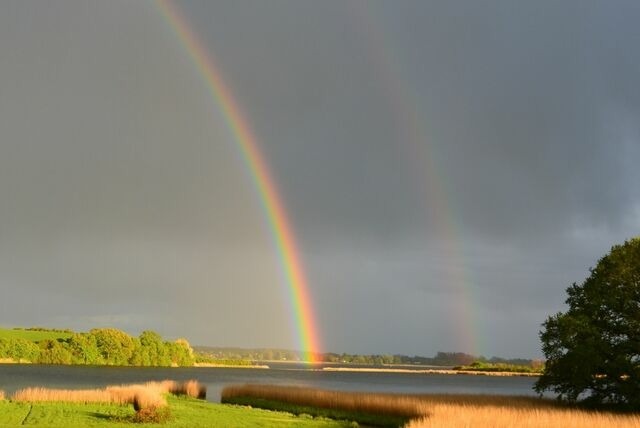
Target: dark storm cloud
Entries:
(528, 108)
(115, 170)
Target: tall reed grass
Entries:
(442, 410)
(2, 395)
(455, 415)
(382, 404)
(141, 396)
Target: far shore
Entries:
(341, 369)
(231, 366)
(428, 371)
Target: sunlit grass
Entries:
(33, 335)
(112, 406)
(185, 413)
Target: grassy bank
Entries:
(117, 406)
(185, 413)
(433, 410)
(33, 335)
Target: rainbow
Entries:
(247, 144)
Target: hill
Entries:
(34, 334)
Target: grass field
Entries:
(185, 412)
(433, 410)
(171, 403)
(32, 335)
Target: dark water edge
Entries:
(18, 376)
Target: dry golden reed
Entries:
(142, 396)
(66, 395)
(190, 388)
(2, 395)
(444, 410)
(388, 404)
(457, 415)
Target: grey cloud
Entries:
(118, 170)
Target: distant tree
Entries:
(115, 346)
(21, 350)
(54, 352)
(181, 353)
(84, 349)
(152, 349)
(593, 349)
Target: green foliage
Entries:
(54, 352)
(84, 348)
(115, 346)
(19, 350)
(483, 366)
(203, 358)
(106, 346)
(593, 349)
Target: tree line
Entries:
(439, 359)
(101, 346)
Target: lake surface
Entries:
(17, 376)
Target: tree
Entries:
(593, 349)
(22, 350)
(115, 346)
(84, 348)
(54, 352)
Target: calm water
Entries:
(13, 377)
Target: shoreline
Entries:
(231, 366)
(8, 361)
(428, 371)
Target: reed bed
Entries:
(457, 415)
(37, 394)
(190, 388)
(142, 396)
(382, 404)
(2, 395)
(442, 410)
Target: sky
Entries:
(449, 167)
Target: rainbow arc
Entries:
(247, 144)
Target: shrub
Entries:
(152, 415)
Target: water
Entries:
(16, 376)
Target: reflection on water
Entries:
(13, 377)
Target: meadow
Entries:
(34, 335)
(433, 410)
(171, 403)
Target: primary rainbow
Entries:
(247, 144)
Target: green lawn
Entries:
(32, 335)
(185, 412)
(366, 419)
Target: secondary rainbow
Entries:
(414, 136)
(247, 144)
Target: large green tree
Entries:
(593, 349)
